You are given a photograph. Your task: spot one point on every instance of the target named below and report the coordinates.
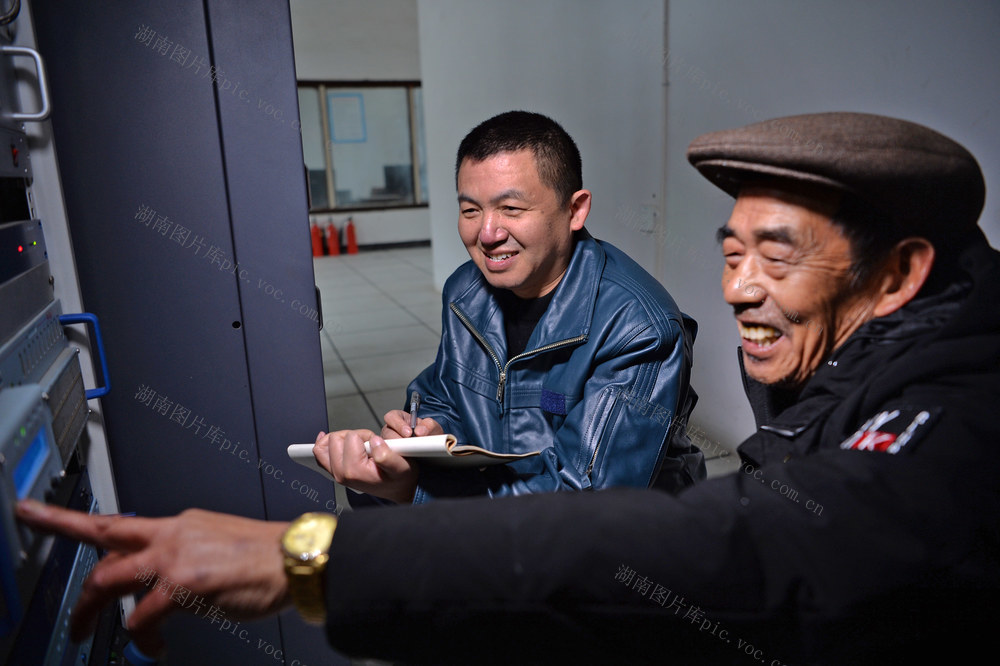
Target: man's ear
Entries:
(904, 273)
(579, 208)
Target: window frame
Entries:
(322, 87)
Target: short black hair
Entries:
(556, 155)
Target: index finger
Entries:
(398, 421)
(108, 532)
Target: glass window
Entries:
(363, 145)
(312, 147)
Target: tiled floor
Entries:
(382, 322)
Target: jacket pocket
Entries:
(468, 378)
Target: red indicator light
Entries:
(20, 248)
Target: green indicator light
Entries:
(23, 431)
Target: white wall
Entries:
(567, 59)
(355, 40)
(380, 227)
(733, 63)
(598, 68)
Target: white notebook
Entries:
(441, 450)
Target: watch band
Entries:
(306, 584)
(306, 545)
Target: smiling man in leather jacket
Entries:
(861, 528)
(551, 341)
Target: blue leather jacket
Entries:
(597, 389)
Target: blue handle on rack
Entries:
(87, 318)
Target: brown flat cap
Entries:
(922, 179)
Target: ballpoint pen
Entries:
(414, 406)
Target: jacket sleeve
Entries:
(619, 433)
(833, 558)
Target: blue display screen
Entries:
(30, 465)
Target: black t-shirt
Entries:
(520, 316)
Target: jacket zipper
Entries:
(593, 458)
(496, 359)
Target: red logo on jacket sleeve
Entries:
(888, 431)
(870, 440)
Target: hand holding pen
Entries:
(399, 424)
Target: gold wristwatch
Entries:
(306, 546)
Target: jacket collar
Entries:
(569, 315)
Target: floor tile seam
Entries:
(432, 348)
(419, 268)
(402, 306)
(354, 381)
(385, 328)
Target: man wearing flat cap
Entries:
(863, 525)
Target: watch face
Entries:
(301, 542)
(308, 537)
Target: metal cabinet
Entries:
(176, 131)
